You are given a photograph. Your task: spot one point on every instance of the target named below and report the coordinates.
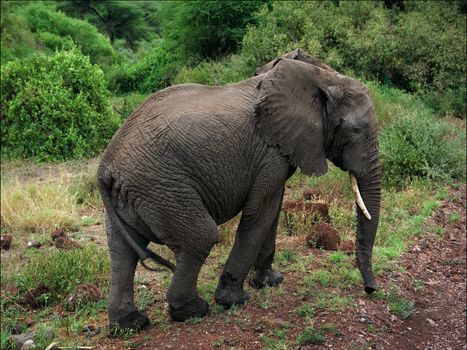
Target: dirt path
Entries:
(433, 278)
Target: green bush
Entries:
(125, 105)
(54, 108)
(419, 145)
(153, 71)
(421, 49)
(226, 71)
(55, 30)
(63, 270)
(206, 29)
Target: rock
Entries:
(36, 245)
(17, 341)
(319, 210)
(311, 194)
(324, 236)
(348, 247)
(83, 294)
(49, 334)
(28, 345)
(62, 241)
(35, 297)
(19, 327)
(6, 241)
(91, 330)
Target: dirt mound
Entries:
(6, 241)
(62, 241)
(36, 297)
(324, 236)
(348, 247)
(83, 294)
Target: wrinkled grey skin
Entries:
(192, 157)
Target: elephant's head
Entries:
(310, 113)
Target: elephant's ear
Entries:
(290, 114)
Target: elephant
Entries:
(192, 157)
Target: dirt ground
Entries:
(433, 277)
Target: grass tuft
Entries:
(37, 208)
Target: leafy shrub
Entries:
(54, 107)
(419, 145)
(226, 71)
(63, 270)
(206, 29)
(57, 31)
(125, 105)
(154, 70)
(420, 50)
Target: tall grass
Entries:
(37, 207)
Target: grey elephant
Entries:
(192, 157)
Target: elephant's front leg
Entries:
(254, 245)
(121, 308)
(264, 275)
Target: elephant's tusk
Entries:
(358, 197)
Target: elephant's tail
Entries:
(105, 185)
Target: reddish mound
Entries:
(324, 236)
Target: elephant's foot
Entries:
(133, 321)
(231, 295)
(266, 278)
(196, 307)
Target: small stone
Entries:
(17, 341)
(91, 330)
(28, 345)
(231, 342)
(5, 240)
(49, 334)
(36, 245)
(431, 322)
(18, 328)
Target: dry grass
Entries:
(37, 207)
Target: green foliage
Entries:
(225, 71)
(128, 20)
(54, 107)
(55, 31)
(155, 70)
(205, 29)
(421, 49)
(399, 305)
(125, 105)
(63, 270)
(311, 335)
(419, 145)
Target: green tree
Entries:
(204, 29)
(128, 20)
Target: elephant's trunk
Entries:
(370, 191)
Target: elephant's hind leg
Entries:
(197, 233)
(121, 309)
